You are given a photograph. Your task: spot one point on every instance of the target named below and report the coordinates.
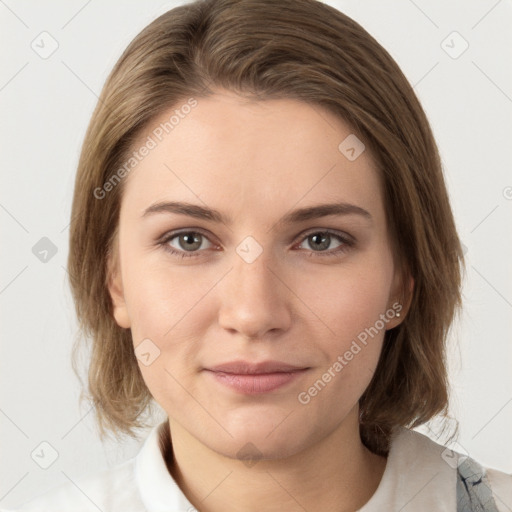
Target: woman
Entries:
(262, 243)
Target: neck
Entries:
(338, 473)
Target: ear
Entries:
(400, 298)
(115, 288)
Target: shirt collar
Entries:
(418, 476)
(158, 489)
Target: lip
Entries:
(255, 378)
(241, 367)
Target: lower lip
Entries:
(256, 383)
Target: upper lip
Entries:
(251, 368)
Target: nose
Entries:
(254, 301)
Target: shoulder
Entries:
(489, 488)
(112, 489)
(476, 486)
(422, 475)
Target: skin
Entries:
(255, 162)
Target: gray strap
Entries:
(474, 493)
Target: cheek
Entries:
(350, 299)
(351, 309)
(351, 304)
(168, 314)
(160, 299)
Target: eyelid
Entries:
(342, 234)
(169, 235)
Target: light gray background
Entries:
(46, 105)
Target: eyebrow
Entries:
(295, 216)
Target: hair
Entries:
(292, 49)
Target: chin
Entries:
(252, 443)
(252, 450)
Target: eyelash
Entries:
(347, 243)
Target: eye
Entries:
(321, 240)
(185, 242)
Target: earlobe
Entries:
(408, 289)
(115, 288)
(401, 302)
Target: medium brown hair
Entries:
(296, 49)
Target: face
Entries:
(265, 326)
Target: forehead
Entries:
(252, 155)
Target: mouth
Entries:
(255, 378)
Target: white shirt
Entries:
(417, 478)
